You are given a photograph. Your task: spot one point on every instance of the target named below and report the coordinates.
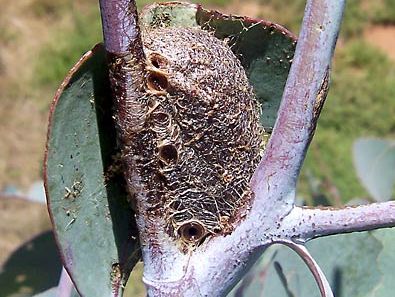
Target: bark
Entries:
(308, 223)
(120, 26)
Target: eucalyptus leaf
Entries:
(374, 161)
(48, 293)
(92, 220)
(385, 262)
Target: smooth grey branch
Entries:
(275, 179)
(120, 25)
(303, 224)
(125, 58)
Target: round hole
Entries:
(192, 232)
(157, 82)
(155, 63)
(168, 153)
(158, 61)
(160, 118)
(217, 230)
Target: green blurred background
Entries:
(41, 39)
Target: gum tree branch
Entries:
(274, 181)
(125, 56)
(317, 222)
(163, 261)
(304, 95)
(120, 26)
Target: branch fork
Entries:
(214, 268)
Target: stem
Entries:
(126, 60)
(120, 25)
(274, 181)
(311, 223)
(127, 73)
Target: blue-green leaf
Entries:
(374, 161)
(92, 220)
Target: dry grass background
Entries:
(32, 32)
(22, 120)
(26, 26)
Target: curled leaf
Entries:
(319, 276)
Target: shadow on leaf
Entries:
(32, 268)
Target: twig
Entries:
(120, 25)
(308, 223)
(275, 179)
(125, 55)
